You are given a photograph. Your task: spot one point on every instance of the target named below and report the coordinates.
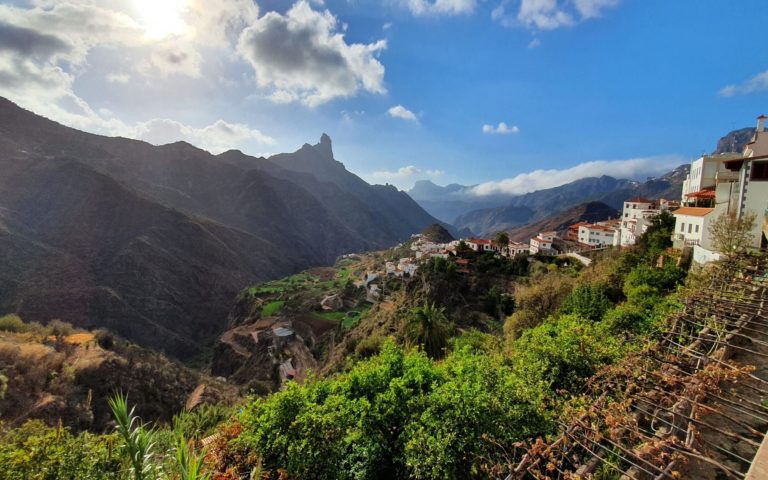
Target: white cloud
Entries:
(46, 46)
(635, 168)
(399, 111)
(118, 78)
(406, 172)
(758, 83)
(302, 56)
(549, 14)
(534, 43)
(501, 129)
(217, 137)
(441, 7)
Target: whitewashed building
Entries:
(542, 243)
(703, 174)
(517, 248)
(635, 219)
(597, 236)
(692, 227)
(744, 188)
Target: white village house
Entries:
(597, 235)
(517, 248)
(635, 219)
(692, 227)
(542, 243)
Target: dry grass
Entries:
(75, 338)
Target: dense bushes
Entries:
(397, 415)
(563, 351)
(587, 301)
(537, 300)
(37, 452)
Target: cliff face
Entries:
(735, 140)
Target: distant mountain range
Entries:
(534, 206)
(485, 215)
(155, 242)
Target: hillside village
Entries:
(731, 183)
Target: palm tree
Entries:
(502, 241)
(428, 327)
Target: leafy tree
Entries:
(662, 279)
(627, 317)
(732, 234)
(463, 250)
(564, 351)
(658, 236)
(428, 327)
(587, 301)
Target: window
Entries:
(690, 225)
(759, 171)
(697, 229)
(682, 227)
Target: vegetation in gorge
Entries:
(418, 403)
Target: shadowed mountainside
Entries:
(156, 242)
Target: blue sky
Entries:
(407, 89)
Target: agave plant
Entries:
(139, 441)
(190, 464)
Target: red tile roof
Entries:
(701, 194)
(693, 211)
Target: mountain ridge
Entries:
(203, 227)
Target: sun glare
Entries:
(162, 18)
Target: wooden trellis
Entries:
(688, 406)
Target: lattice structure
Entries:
(688, 406)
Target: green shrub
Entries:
(627, 317)
(587, 301)
(564, 351)
(369, 347)
(36, 451)
(12, 323)
(202, 420)
(59, 328)
(396, 415)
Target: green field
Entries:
(348, 320)
(272, 308)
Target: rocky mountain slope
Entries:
(735, 140)
(60, 374)
(156, 242)
(559, 222)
